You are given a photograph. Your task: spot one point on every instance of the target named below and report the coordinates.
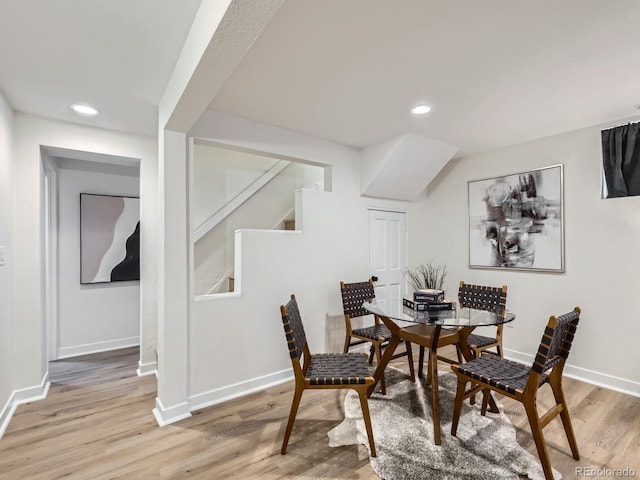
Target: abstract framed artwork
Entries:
(517, 221)
(109, 238)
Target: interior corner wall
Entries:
(29, 328)
(149, 232)
(173, 282)
(602, 258)
(6, 183)
(91, 317)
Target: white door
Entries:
(387, 253)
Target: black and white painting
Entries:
(516, 221)
(109, 238)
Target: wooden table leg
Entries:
(467, 353)
(388, 352)
(468, 356)
(429, 340)
(433, 373)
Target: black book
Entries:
(428, 295)
(428, 306)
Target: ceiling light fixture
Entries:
(420, 109)
(85, 110)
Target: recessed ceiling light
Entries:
(85, 110)
(420, 109)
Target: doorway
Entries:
(387, 252)
(84, 318)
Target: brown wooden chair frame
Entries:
(345, 370)
(491, 373)
(353, 296)
(484, 298)
(474, 296)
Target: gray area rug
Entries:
(485, 447)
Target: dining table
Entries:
(426, 328)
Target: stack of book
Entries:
(428, 300)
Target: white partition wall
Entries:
(330, 244)
(173, 313)
(6, 365)
(32, 134)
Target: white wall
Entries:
(6, 381)
(149, 217)
(602, 257)
(173, 279)
(266, 209)
(28, 327)
(272, 265)
(219, 175)
(331, 245)
(101, 316)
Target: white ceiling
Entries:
(117, 55)
(495, 72)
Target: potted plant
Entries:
(429, 275)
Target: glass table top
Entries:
(459, 317)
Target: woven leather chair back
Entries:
(556, 341)
(354, 295)
(492, 299)
(293, 329)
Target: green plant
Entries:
(428, 275)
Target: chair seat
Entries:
(322, 371)
(480, 340)
(521, 382)
(499, 372)
(338, 369)
(375, 332)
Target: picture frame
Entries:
(109, 238)
(516, 221)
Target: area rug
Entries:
(485, 447)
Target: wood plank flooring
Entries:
(96, 423)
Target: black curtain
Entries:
(621, 160)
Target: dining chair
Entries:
(492, 373)
(484, 298)
(322, 371)
(353, 296)
(480, 297)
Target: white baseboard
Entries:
(7, 414)
(66, 352)
(31, 394)
(589, 376)
(150, 368)
(165, 416)
(25, 395)
(219, 395)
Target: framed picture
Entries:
(517, 221)
(109, 238)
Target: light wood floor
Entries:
(96, 423)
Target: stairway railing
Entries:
(238, 200)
